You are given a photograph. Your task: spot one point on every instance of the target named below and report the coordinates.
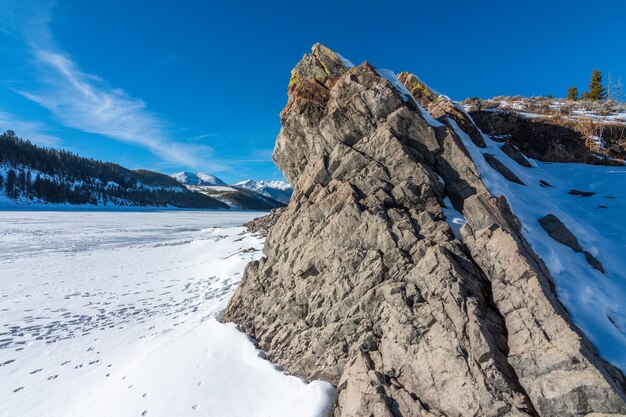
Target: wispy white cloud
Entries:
(36, 132)
(206, 136)
(86, 102)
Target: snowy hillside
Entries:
(594, 300)
(589, 200)
(113, 314)
(32, 176)
(277, 190)
(197, 178)
(236, 197)
(555, 130)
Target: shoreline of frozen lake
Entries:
(113, 313)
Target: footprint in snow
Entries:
(36, 371)
(50, 378)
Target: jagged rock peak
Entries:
(322, 65)
(363, 283)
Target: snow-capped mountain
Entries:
(197, 178)
(277, 190)
(235, 196)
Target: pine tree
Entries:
(572, 93)
(29, 184)
(38, 187)
(21, 181)
(596, 90)
(10, 184)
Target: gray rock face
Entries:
(364, 285)
(556, 365)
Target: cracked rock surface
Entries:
(364, 285)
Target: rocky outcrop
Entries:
(552, 138)
(556, 365)
(263, 225)
(501, 168)
(515, 154)
(581, 193)
(364, 285)
(559, 232)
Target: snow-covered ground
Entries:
(111, 314)
(596, 301)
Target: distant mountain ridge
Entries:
(31, 175)
(277, 190)
(236, 196)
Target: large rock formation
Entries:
(364, 285)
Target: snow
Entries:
(595, 301)
(598, 141)
(528, 115)
(347, 63)
(219, 188)
(113, 314)
(455, 219)
(260, 185)
(197, 178)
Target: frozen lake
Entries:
(112, 314)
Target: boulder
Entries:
(559, 232)
(502, 169)
(581, 193)
(515, 154)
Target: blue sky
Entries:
(198, 85)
